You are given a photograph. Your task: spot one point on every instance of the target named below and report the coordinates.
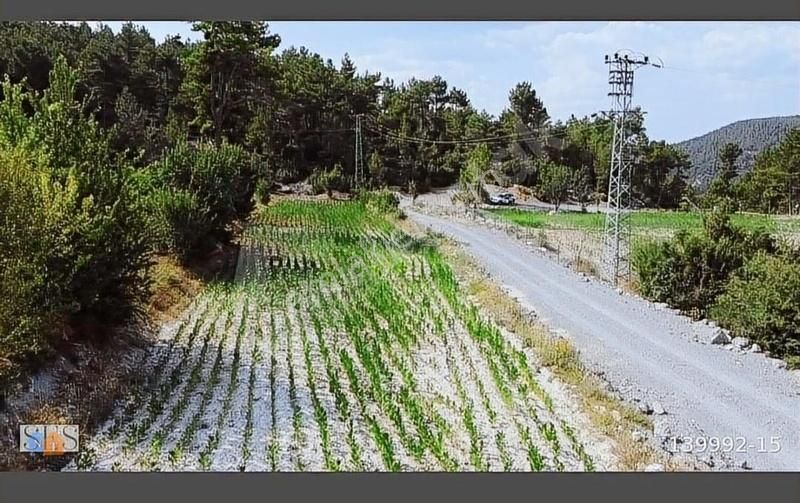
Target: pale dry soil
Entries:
(252, 381)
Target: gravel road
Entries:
(654, 357)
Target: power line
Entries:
(380, 129)
(724, 76)
(313, 131)
(534, 134)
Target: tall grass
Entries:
(640, 220)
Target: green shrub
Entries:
(648, 258)
(383, 201)
(63, 256)
(111, 256)
(555, 181)
(262, 191)
(221, 178)
(182, 225)
(57, 135)
(33, 214)
(762, 303)
(690, 271)
(96, 266)
(326, 181)
(72, 237)
(317, 182)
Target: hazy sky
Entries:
(715, 73)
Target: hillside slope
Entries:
(753, 135)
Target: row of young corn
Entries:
(343, 344)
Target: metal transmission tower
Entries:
(617, 227)
(359, 153)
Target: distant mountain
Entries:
(753, 135)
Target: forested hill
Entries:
(752, 135)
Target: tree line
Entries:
(295, 111)
(771, 186)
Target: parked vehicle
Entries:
(503, 199)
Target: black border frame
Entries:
(442, 10)
(387, 487)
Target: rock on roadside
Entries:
(741, 342)
(720, 336)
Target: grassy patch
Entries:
(640, 220)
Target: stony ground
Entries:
(343, 344)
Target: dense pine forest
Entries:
(753, 136)
(295, 112)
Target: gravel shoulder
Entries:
(654, 357)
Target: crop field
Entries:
(642, 221)
(343, 344)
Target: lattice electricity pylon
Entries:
(359, 154)
(617, 230)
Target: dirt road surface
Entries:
(701, 394)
